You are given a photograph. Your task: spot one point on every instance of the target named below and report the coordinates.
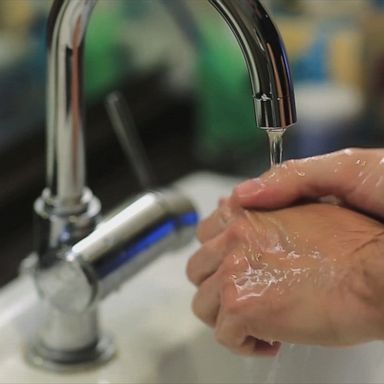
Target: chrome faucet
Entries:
(80, 259)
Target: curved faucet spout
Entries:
(266, 59)
(264, 54)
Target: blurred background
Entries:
(185, 81)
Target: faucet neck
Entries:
(67, 25)
(259, 40)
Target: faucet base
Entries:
(42, 357)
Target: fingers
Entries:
(295, 179)
(215, 223)
(256, 347)
(211, 271)
(336, 174)
(207, 259)
(212, 268)
(263, 348)
(225, 241)
(228, 209)
(237, 239)
(231, 331)
(206, 302)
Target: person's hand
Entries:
(354, 176)
(309, 274)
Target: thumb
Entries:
(353, 175)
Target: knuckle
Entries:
(243, 232)
(223, 202)
(228, 268)
(200, 310)
(229, 302)
(202, 229)
(196, 309)
(236, 231)
(224, 215)
(190, 270)
(233, 234)
(221, 338)
(231, 308)
(192, 267)
(195, 265)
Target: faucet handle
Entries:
(129, 139)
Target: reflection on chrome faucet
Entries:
(79, 260)
(72, 280)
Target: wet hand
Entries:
(309, 274)
(354, 176)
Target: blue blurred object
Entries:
(313, 65)
(378, 3)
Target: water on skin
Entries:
(257, 276)
(275, 137)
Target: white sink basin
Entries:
(160, 341)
